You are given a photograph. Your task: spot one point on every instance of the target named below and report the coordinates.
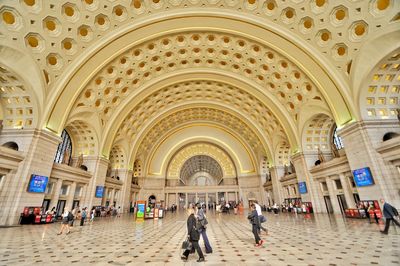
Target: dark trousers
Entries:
(255, 230)
(196, 247)
(388, 220)
(82, 221)
(206, 242)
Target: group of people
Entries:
(68, 218)
(196, 227)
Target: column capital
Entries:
(297, 156)
(99, 159)
(361, 125)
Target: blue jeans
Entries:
(206, 242)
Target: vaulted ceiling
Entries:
(122, 77)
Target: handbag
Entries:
(263, 219)
(204, 222)
(187, 245)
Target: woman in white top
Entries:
(65, 222)
(92, 214)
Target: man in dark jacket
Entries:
(389, 212)
(255, 222)
(194, 236)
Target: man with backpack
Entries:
(390, 213)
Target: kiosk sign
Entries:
(140, 209)
(363, 177)
(302, 187)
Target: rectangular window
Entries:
(352, 183)
(78, 191)
(64, 190)
(49, 188)
(324, 186)
(2, 177)
(338, 184)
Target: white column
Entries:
(206, 200)
(124, 195)
(176, 200)
(71, 194)
(112, 197)
(56, 194)
(276, 174)
(186, 200)
(332, 195)
(347, 191)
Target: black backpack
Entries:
(70, 216)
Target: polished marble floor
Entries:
(292, 240)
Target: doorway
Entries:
(45, 205)
(75, 204)
(342, 203)
(328, 204)
(60, 207)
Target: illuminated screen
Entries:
(38, 184)
(363, 177)
(99, 191)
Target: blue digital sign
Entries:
(363, 177)
(302, 187)
(99, 191)
(38, 184)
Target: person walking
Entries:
(203, 230)
(92, 213)
(83, 216)
(255, 222)
(193, 236)
(261, 217)
(65, 222)
(389, 212)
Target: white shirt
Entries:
(258, 209)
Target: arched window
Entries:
(64, 149)
(337, 140)
(11, 145)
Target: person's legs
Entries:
(206, 242)
(61, 229)
(386, 230)
(198, 249)
(255, 233)
(82, 221)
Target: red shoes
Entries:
(260, 243)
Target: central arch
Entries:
(175, 166)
